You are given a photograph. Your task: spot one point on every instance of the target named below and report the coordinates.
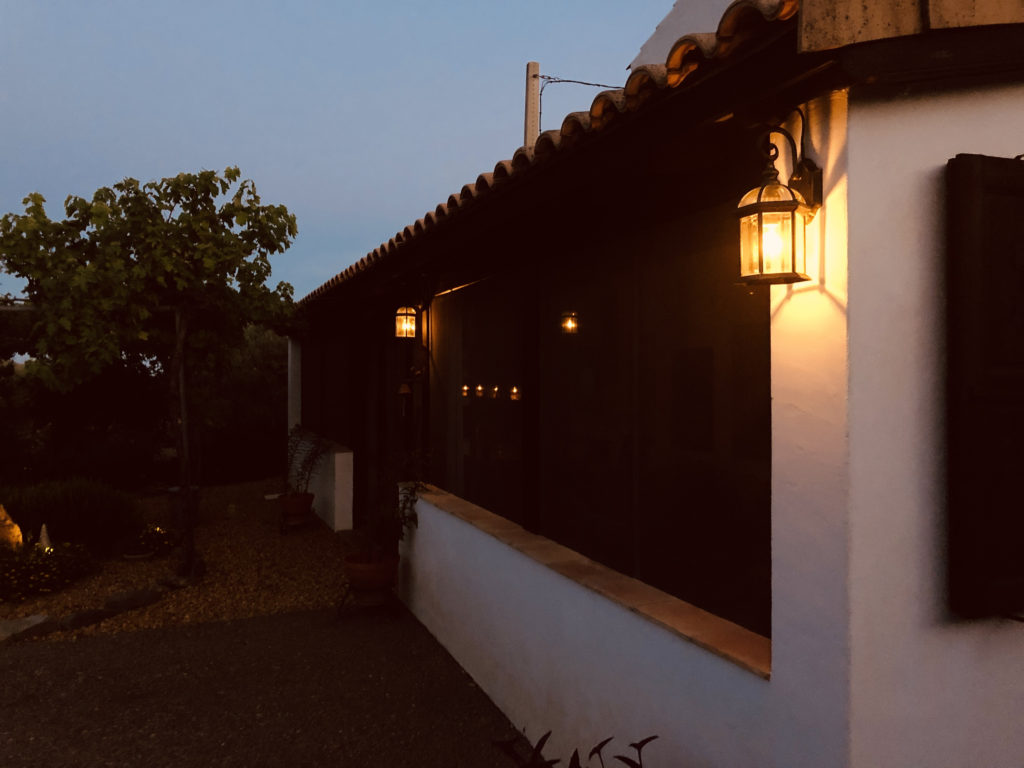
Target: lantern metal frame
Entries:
(804, 192)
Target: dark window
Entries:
(985, 311)
(643, 439)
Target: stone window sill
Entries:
(730, 641)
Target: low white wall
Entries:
(553, 655)
(927, 691)
(331, 484)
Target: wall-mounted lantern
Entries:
(479, 390)
(514, 394)
(570, 322)
(774, 216)
(465, 390)
(405, 323)
(495, 392)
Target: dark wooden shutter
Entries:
(985, 384)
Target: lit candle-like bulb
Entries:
(774, 246)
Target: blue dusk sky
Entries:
(359, 116)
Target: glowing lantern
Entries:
(570, 322)
(773, 220)
(405, 323)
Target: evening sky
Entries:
(359, 116)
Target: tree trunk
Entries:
(188, 501)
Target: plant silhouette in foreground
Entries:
(536, 759)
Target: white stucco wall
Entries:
(556, 656)
(331, 485)
(927, 691)
(810, 606)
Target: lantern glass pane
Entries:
(800, 242)
(749, 247)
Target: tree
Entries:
(161, 275)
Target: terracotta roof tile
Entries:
(484, 182)
(644, 82)
(522, 158)
(547, 144)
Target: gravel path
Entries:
(252, 667)
(300, 689)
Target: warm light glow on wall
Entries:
(570, 322)
(405, 323)
(465, 390)
(495, 391)
(479, 390)
(514, 393)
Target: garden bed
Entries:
(251, 569)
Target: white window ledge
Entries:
(730, 641)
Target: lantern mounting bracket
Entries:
(807, 176)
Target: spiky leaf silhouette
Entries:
(639, 747)
(628, 761)
(597, 751)
(537, 757)
(574, 761)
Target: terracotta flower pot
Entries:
(296, 509)
(370, 582)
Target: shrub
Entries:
(153, 540)
(80, 511)
(32, 570)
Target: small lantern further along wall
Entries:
(773, 220)
(405, 323)
(570, 322)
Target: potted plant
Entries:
(306, 450)
(371, 567)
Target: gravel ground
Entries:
(252, 570)
(251, 668)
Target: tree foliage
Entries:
(106, 282)
(145, 277)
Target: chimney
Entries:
(531, 126)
